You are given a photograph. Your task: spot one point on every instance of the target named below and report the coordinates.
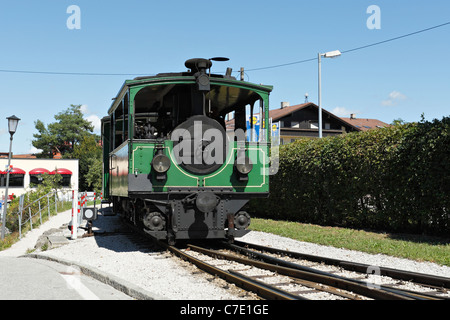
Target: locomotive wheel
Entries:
(154, 221)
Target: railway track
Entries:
(436, 283)
(275, 278)
(276, 274)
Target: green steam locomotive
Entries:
(182, 155)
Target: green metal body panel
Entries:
(224, 177)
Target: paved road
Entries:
(35, 279)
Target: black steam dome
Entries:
(198, 64)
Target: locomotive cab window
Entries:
(159, 109)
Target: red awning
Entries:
(39, 171)
(61, 171)
(17, 171)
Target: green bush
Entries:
(392, 179)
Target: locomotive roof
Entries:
(186, 78)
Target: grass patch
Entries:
(419, 248)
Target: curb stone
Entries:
(113, 281)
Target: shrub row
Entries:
(393, 179)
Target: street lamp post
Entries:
(331, 54)
(13, 121)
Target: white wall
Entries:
(29, 164)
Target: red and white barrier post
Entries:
(74, 231)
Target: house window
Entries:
(295, 124)
(36, 176)
(65, 180)
(16, 180)
(66, 176)
(327, 126)
(35, 180)
(313, 125)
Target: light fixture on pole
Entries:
(331, 54)
(13, 121)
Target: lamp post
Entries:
(331, 54)
(13, 121)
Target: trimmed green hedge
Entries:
(393, 179)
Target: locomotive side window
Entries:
(118, 126)
(251, 120)
(120, 123)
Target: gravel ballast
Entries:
(168, 277)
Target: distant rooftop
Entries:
(365, 124)
(17, 156)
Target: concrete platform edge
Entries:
(113, 281)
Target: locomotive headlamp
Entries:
(203, 83)
(244, 165)
(161, 163)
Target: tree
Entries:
(398, 122)
(50, 182)
(72, 136)
(89, 152)
(64, 134)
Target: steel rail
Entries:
(260, 284)
(396, 293)
(309, 275)
(415, 277)
(264, 291)
(280, 270)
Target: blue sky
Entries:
(399, 79)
